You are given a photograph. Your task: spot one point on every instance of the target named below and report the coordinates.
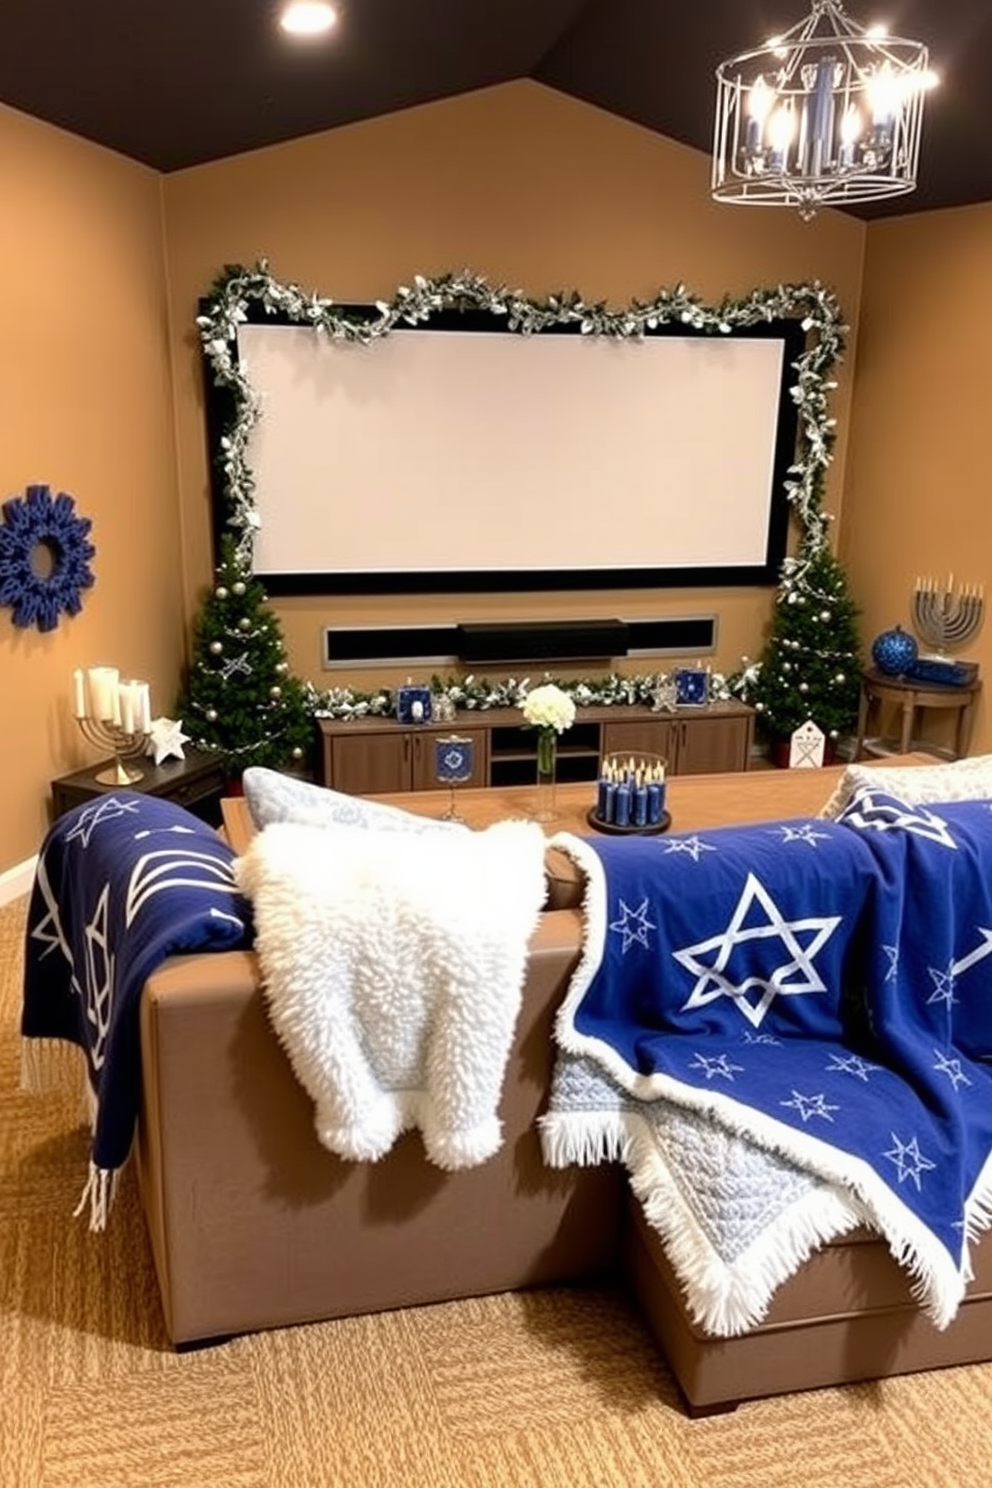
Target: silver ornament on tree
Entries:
(221, 592)
(216, 647)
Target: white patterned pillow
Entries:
(273, 797)
(917, 785)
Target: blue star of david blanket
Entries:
(121, 883)
(821, 991)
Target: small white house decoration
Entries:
(806, 747)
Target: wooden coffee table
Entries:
(695, 802)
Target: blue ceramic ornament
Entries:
(894, 651)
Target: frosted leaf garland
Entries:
(239, 290)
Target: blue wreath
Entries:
(33, 520)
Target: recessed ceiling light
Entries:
(308, 18)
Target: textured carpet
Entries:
(557, 1389)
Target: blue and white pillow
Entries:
(274, 797)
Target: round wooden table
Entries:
(909, 696)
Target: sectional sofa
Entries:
(254, 1225)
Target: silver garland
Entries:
(424, 297)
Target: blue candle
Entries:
(654, 803)
(640, 805)
(603, 796)
(621, 806)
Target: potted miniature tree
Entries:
(810, 668)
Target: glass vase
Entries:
(547, 756)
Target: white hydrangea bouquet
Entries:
(549, 707)
(551, 711)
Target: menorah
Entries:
(946, 620)
(114, 715)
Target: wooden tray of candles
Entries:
(611, 828)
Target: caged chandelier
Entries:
(827, 114)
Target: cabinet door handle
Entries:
(406, 749)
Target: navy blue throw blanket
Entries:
(122, 883)
(823, 989)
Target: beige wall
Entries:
(85, 407)
(104, 262)
(518, 183)
(918, 486)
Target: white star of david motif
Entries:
(806, 833)
(106, 809)
(100, 964)
(694, 846)
(892, 970)
(951, 1068)
(716, 1064)
(887, 815)
(810, 1105)
(909, 1160)
(760, 1038)
(851, 1064)
(943, 985)
(714, 982)
(944, 982)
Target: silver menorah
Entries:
(127, 744)
(944, 619)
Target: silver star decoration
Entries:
(105, 809)
(887, 815)
(951, 1068)
(806, 833)
(633, 925)
(716, 1064)
(236, 664)
(694, 846)
(810, 1105)
(909, 1160)
(714, 982)
(166, 739)
(852, 1064)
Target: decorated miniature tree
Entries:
(240, 698)
(810, 667)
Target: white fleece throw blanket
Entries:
(393, 968)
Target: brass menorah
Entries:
(944, 619)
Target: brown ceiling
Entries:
(177, 84)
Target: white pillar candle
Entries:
(126, 694)
(103, 691)
(143, 707)
(79, 693)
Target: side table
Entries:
(909, 696)
(197, 782)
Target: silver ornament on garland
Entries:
(238, 588)
(216, 647)
(211, 715)
(244, 623)
(221, 592)
(275, 692)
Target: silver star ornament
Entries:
(166, 739)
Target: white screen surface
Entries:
(453, 451)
